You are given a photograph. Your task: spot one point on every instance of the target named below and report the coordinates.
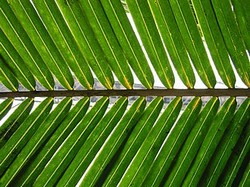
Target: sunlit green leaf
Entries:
(93, 144)
(128, 41)
(13, 30)
(214, 39)
(86, 40)
(72, 144)
(108, 41)
(112, 144)
(151, 39)
(39, 36)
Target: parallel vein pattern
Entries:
(85, 39)
(131, 142)
(71, 113)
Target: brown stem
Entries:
(134, 92)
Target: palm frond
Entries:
(129, 136)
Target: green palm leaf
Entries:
(245, 179)
(15, 63)
(210, 142)
(229, 139)
(15, 120)
(175, 46)
(240, 151)
(13, 30)
(194, 44)
(7, 77)
(135, 139)
(72, 144)
(5, 106)
(86, 40)
(23, 134)
(173, 143)
(42, 41)
(107, 40)
(150, 146)
(128, 41)
(89, 93)
(93, 144)
(192, 144)
(243, 20)
(31, 171)
(39, 136)
(214, 39)
(112, 144)
(146, 27)
(232, 37)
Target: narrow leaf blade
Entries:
(22, 135)
(117, 136)
(40, 38)
(86, 41)
(192, 144)
(16, 63)
(5, 106)
(214, 40)
(29, 173)
(39, 137)
(151, 40)
(15, 120)
(22, 43)
(139, 166)
(72, 144)
(93, 144)
(108, 41)
(128, 41)
(173, 143)
(6, 76)
(210, 142)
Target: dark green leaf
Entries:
(5, 106)
(135, 140)
(208, 146)
(240, 152)
(39, 137)
(15, 120)
(22, 135)
(172, 144)
(6, 76)
(192, 144)
(93, 144)
(30, 172)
